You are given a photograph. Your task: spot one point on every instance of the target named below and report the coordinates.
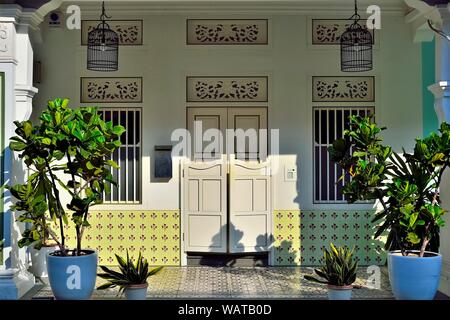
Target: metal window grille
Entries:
(329, 125)
(127, 156)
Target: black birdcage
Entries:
(356, 47)
(103, 47)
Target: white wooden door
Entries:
(205, 206)
(250, 184)
(250, 206)
(209, 225)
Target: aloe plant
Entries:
(131, 273)
(339, 267)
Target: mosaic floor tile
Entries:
(235, 283)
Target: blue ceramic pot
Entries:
(339, 293)
(414, 278)
(136, 292)
(72, 277)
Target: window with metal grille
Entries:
(329, 125)
(128, 156)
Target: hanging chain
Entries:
(104, 25)
(104, 16)
(356, 17)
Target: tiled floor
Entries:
(235, 283)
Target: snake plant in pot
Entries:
(132, 278)
(66, 154)
(338, 272)
(407, 187)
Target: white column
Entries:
(441, 91)
(16, 61)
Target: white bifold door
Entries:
(227, 197)
(205, 206)
(249, 213)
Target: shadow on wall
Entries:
(286, 254)
(257, 258)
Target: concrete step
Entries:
(228, 260)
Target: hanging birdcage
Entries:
(356, 47)
(103, 47)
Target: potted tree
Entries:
(67, 155)
(407, 187)
(132, 278)
(338, 272)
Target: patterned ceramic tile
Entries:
(232, 283)
(300, 237)
(155, 233)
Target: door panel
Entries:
(205, 206)
(203, 230)
(212, 194)
(210, 118)
(250, 205)
(249, 118)
(248, 233)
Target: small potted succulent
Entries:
(132, 278)
(338, 272)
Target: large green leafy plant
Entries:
(406, 185)
(339, 268)
(66, 152)
(131, 273)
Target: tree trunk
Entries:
(424, 247)
(59, 206)
(78, 250)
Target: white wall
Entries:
(289, 61)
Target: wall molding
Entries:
(271, 7)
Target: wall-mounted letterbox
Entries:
(163, 162)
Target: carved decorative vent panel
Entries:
(130, 32)
(227, 89)
(226, 32)
(108, 90)
(329, 31)
(343, 89)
